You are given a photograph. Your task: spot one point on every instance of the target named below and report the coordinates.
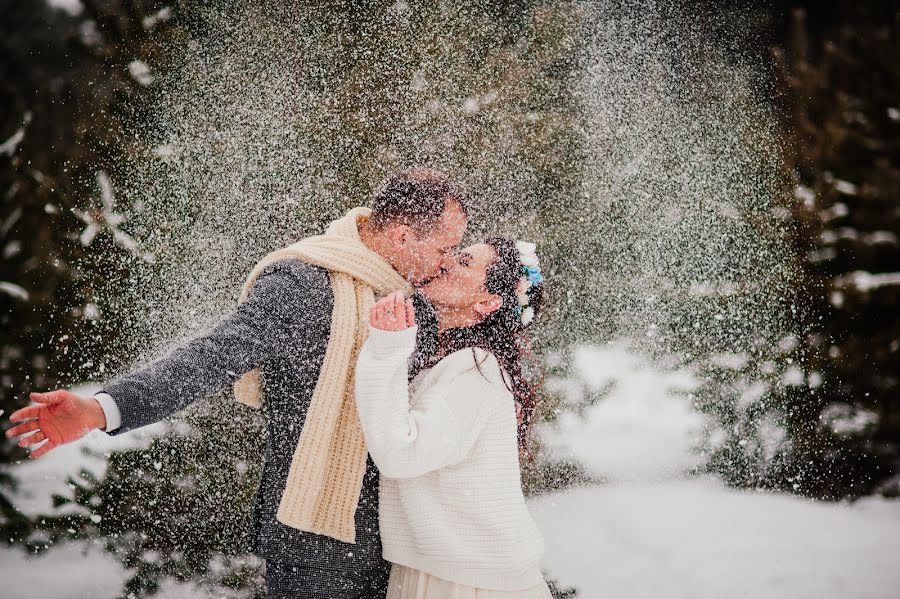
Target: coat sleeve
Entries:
(438, 426)
(281, 309)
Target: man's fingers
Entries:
(25, 413)
(32, 439)
(48, 398)
(21, 429)
(36, 453)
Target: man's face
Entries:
(421, 259)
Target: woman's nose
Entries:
(448, 262)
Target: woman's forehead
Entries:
(482, 252)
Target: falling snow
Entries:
(635, 153)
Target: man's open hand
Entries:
(59, 417)
(393, 313)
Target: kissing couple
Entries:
(387, 364)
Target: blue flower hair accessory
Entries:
(531, 277)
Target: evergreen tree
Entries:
(812, 407)
(842, 122)
(70, 84)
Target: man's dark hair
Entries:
(415, 196)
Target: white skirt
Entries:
(409, 583)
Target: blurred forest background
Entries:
(103, 129)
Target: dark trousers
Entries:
(289, 580)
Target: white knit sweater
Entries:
(451, 500)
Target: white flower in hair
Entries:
(531, 276)
(522, 288)
(523, 300)
(526, 247)
(527, 316)
(527, 253)
(530, 260)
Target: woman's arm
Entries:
(437, 429)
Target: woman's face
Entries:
(463, 285)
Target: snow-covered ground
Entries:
(650, 532)
(697, 540)
(75, 572)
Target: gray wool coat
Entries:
(283, 328)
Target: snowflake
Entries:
(105, 217)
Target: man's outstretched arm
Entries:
(286, 297)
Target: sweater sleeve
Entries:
(282, 310)
(409, 437)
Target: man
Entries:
(292, 343)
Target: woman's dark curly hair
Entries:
(502, 332)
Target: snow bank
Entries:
(76, 571)
(652, 534)
(697, 540)
(644, 428)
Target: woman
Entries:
(452, 514)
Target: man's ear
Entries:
(400, 235)
(490, 305)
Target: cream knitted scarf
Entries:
(325, 478)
